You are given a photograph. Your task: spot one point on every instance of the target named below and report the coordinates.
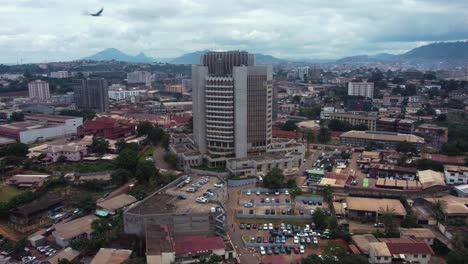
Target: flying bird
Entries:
(99, 13)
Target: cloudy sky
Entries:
(51, 30)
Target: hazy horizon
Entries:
(52, 30)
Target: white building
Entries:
(38, 128)
(39, 89)
(124, 94)
(325, 113)
(140, 77)
(456, 174)
(72, 152)
(365, 89)
(59, 74)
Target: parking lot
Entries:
(283, 239)
(264, 203)
(199, 190)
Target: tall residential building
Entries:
(91, 94)
(39, 89)
(59, 74)
(365, 89)
(140, 77)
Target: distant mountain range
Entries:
(435, 52)
(117, 55)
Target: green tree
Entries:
(121, 176)
(338, 125)
(17, 117)
(290, 125)
(309, 136)
(144, 128)
(145, 171)
(64, 261)
(17, 149)
(410, 221)
(213, 259)
(324, 135)
(61, 159)
(387, 216)
(406, 147)
(274, 179)
(127, 160)
(320, 219)
(438, 209)
(99, 145)
(87, 204)
(171, 159)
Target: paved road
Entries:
(245, 256)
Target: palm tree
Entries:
(387, 217)
(438, 208)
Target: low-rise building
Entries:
(107, 128)
(456, 174)
(71, 152)
(41, 127)
(385, 139)
(405, 250)
(79, 228)
(371, 208)
(28, 181)
(379, 253)
(433, 134)
(111, 256)
(113, 204)
(67, 253)
(454, 208)
(421, 234)
(355, 119)
(31, 215)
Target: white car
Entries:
(312, 211)
(286, 192)
(258, 192)
(296, 240)
(262, 251)
(267, 200)
(276, 193)
(218, 185)
(270, 226)
(302, 249)
(249, 192)
(201, 200)
(315, 240)
(265, 227)
(282, 227)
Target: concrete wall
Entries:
(234, 183)
(199, 74)
(240, 113)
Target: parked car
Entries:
(302, 249)
(248, 226)
(269, 252)
(248, 192)
(276, 250)
(262, 251)
(259, 239)
(219, 185)
(296, 250)
(296, 240)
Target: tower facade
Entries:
(232, 105)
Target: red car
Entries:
(254, 226)
(296, 250)
(265, 240)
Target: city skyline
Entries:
(161, 30)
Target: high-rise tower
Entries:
(232, 105)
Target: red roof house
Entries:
(106, 127)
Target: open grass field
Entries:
(7, 192)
